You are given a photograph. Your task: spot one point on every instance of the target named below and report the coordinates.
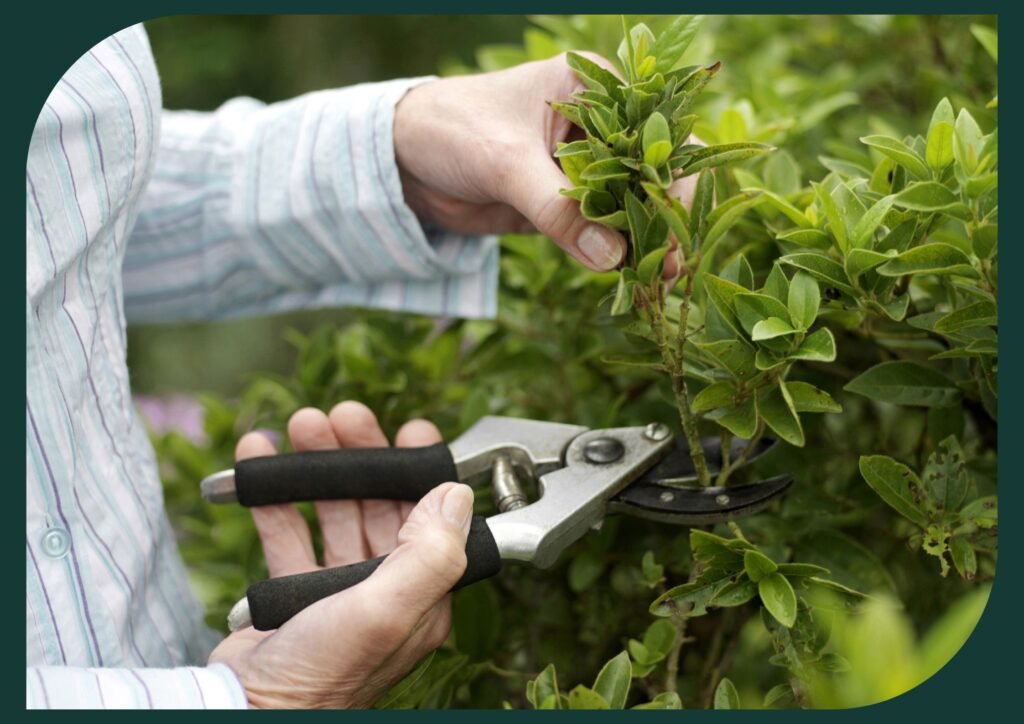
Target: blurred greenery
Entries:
(809, 85)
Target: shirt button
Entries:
(56, 542)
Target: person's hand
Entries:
(346, 650)
(475, 156)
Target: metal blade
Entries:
(668, 492)
(698, 506)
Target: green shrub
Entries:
(851, 271)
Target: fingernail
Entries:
(600, 247)
(457, 506)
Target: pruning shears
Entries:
(580, 475)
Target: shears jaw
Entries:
(598, 464)
(698, 506)
(534, 446)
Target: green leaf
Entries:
(778, 597)
(703, 201)
(803, 301)
(718, 394)
(659, 638)
(925, 196)
(781, 695)
(776, 284)
(819, 346)
(979, 314)
(751, 308)
(612, 682)
(771, 328)
(813, 238)
(595, 77)
(808, 398)
(758, 565)
(836, 221)
(735, 356)
(988, 39)
(650, 266)
(899, 152)
(964, 560)
(859, 261)
(823, 268)
(673, 41)
(967, 139)
(775, 407)
(865, 228)
(657, 140)
(933, 258)
(583, 698)
(741, 420)
(802, 570)
(721, 154)
(943, 113)
(543, 687)
(697, 596)
(896, 484)
(726, 696)
(905, 383)
(623, 300)
(945, 475)
(736, 593)
(664, 700)
(791, 212)
(939, 151)
(605, 170)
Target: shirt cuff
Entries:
(188, 687)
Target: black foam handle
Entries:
(275, 600)
(391, 473)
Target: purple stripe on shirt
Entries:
(42, 688)
(49, 604)
(145, 687)
(199, 688)
(67, 527)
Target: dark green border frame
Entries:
(43, 39)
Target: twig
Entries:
(728, 468)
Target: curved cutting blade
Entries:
(668, 492)
(698, 506)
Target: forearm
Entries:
(255, 209)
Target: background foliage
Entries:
(811, 86)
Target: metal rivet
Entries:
(667, 497)
(56, 542)
(656, 432)
(722, 499)
(603, 450)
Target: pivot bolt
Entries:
(722, 499)
(656, 432)
(603, 450)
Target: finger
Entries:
(355, 425)
(340, 520)
(534, 191)
(420, 572)
(287, 543)
(415, 433)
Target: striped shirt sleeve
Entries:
(255, 208)
(66, 687)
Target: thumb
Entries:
(535, 194)
(430, 557)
